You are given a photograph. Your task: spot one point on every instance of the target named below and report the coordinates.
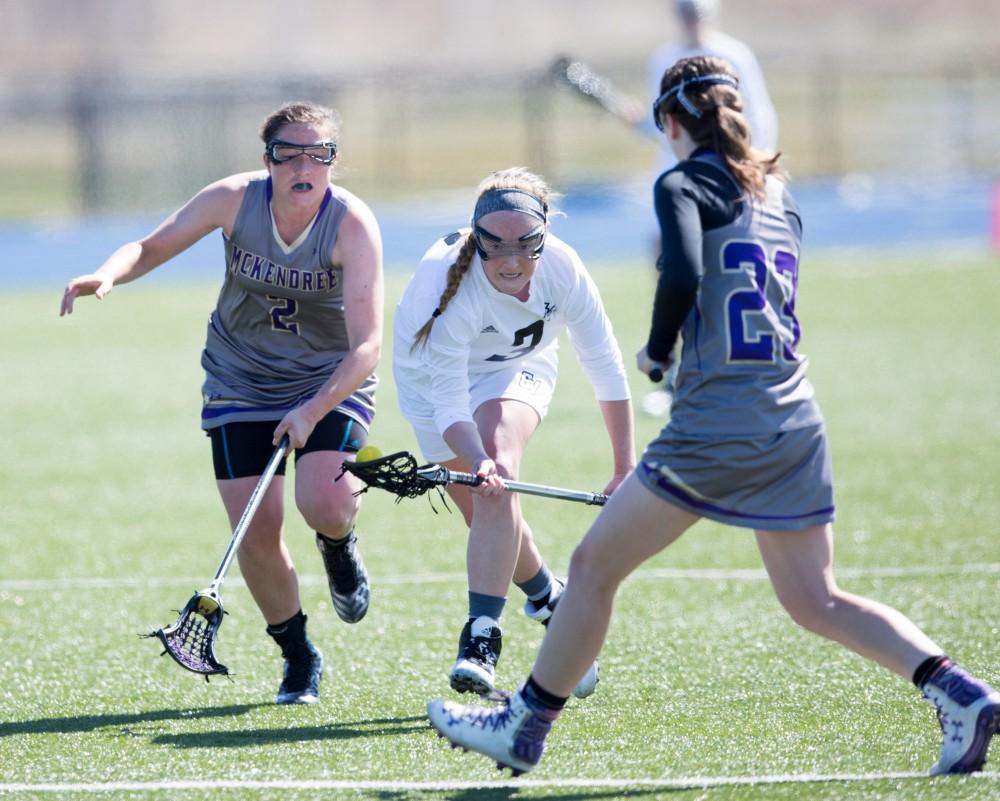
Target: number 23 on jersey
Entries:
(760, 318)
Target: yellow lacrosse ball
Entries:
(369, 453)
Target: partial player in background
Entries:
(475, 361)
(746, 444)
(700, 38)
(291, 350)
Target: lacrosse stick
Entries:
(191, 639)
(399, 474)
(595, 88)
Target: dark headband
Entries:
(508, 200)
(678, 89)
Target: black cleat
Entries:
(346, 575)
(478, 651)
(300, 684)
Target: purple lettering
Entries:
(235, 262)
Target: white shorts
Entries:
(532, 382)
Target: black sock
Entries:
(926, 669)
(534, 692)
(340, 541)
(290, 635)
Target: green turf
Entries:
(106, 476)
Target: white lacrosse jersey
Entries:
(484, 330)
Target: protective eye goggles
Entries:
(684, 100)
(490, 246)
(279, 152)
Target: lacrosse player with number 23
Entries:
(746, 444)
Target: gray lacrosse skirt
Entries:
(777, 482)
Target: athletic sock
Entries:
(340, 542)
(539, 587)
(488, 605)
(291, 635)
(928, 667)
(539, 699)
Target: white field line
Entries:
(676, 783)
(671, 573)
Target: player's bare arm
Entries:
(618, 420)
(213, 207)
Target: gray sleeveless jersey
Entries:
(277, 332)
(740, 372)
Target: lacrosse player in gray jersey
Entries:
(291, 349)
(745, 444)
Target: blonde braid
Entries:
(456, 273)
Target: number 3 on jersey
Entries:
(534, 331)
(283, 314)
(754, 324)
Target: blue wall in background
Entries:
(604, 223)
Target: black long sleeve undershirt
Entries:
(690, 199)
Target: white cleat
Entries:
(512, 734)
(969, 714)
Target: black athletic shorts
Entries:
(243, 449)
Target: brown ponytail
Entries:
(721, 125)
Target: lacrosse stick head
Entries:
(191, 639)
(395, 473)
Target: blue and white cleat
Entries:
(968, 711)
(513, 733)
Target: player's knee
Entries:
(263, 537)
(812, 612)
(328, 515)
(508, 465)
(589, 570)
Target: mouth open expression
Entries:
(297, 161)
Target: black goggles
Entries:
(279, 152)
(490, 246)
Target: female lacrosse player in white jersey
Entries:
(475, 360)
(291, 349)
(745, 444)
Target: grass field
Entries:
(110, 520)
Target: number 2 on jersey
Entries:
(749, 306)
(283, 314)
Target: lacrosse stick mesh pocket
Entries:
(395, 473)
(191, 639)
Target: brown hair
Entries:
(722, 125)
(303, 113)
(511, 178)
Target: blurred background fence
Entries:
(114, 112)
(92, 145)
